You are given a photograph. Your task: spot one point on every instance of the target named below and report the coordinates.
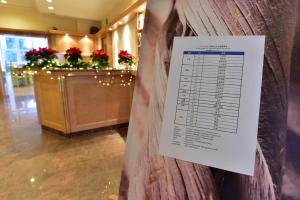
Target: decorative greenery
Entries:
(73, 57)
(100, 59)
(45, 59)
(47, 53)
(41, 58)
(126, 58)
(32, 55)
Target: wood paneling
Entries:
(92, 105)
(62, 42)
(77, 101)
(50, 102)
(24, 32)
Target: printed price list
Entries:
(209, 95)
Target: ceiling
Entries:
(82, 9)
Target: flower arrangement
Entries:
(47, 53)
(45, 59)
(32, 55)
(126, 58)
(40, 58)
(73, 55)
(100, 58)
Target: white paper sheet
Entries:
(212, 104)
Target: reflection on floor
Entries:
(36, 164)
(291, 186)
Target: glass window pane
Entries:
(11, 56)
(25, 44)
(23, 58)
(13, 48)
(10, 43)
(39, 42)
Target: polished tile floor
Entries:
(37, 164)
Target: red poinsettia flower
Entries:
(99, 54)
(123, 54)
(32, 55)
(46, 53)
(100, 58)
(73, 50)
(73, 54)
(126, 58)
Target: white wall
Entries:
(125, 38)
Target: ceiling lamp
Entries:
(49, 1)
(50, 7)
(4, 1)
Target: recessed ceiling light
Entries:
(110, 29)
(4, 1)
(50, 1)
(50, 7)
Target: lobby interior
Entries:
(47, 162)
(81, 157)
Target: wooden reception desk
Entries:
(74, 101)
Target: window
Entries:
(11, 56)
(10, 43)
(13, 49)
(25, 44)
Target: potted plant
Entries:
(43, 57)
(100, 59)
(126, 60)
(73, 57)
(32, 56)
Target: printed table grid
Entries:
(210, 91)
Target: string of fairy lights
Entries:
(111, 76)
